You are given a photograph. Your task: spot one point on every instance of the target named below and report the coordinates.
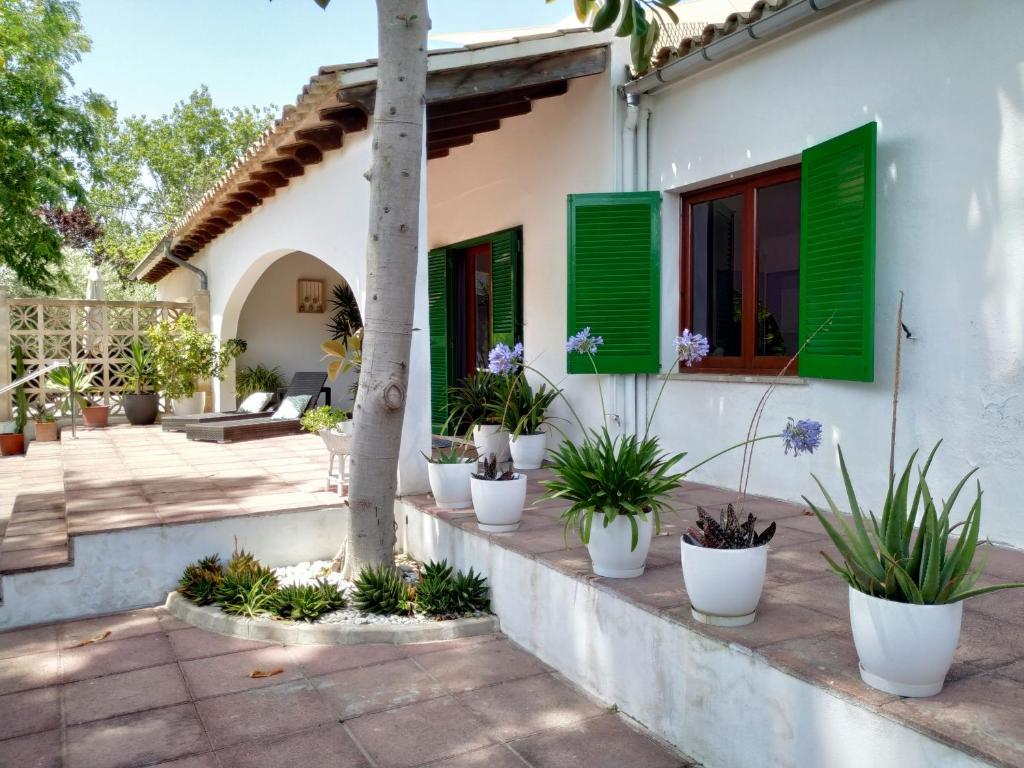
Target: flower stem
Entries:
(600, 390)
(664, 382)
(730, 448)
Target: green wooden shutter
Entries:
(506, 269)
(614, 271)
(837, 256)
(438, 276)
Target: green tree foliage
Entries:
(48, 135)
(639, 20)
(154, 169)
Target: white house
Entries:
(804, 162)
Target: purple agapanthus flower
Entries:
(691, 347)
(801, 436)
(503, 360)
(583, 342)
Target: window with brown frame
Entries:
(740, 271)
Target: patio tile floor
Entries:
(457, 704)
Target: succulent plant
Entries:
(247, 593)
(469, 593)
(243, 561)
(434, 590)
(727, 532)
(490, 470)
(200, 580)
(307, 602)
(381, 589)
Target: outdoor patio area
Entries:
(155, 691)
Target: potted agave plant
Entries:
(141, 404)
(498, 497)
(450, 472)
(45, 424)
(13, 443)
(77, 379)
(906, 588)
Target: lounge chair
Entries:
(284, 421)
(308, 383)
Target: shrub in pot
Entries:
(449, 472)
(141, 403)
(257, 378)
(476, 404)
(525, 416)
(724, 564)
(77, 379)
(906, 588)
(498, 497)
(45, 424)
(331, 423)
(183, 356)
(13, 443)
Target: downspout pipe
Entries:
(204, 281)
(745, 37)
(626, 393)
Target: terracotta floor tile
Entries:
(354, 692)
(31, 671)
(602, 742)
(324, 659)
(521, 707)
(489, 757)
(39, 750)
(827, 594)
(263, 713)
(209, 760)
(120, 626)
(987, 642)
(418, 649)
(111, 656)
(195, 643)
(776, 621)
(656, 588)
(22, 642)
(140, 739)
(431, 730)
(124, 693)
(29, 712)
(230, 673)
(28, 559)
(465, 669)
(327, 746)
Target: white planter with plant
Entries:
(724, 565)
(498, 497)
(332, 424)
(524, 415)
(183, 356)
(906, 589)
(614, 552)
(491, 439)
(477, 402)
(449, 472)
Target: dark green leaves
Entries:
(612, 476)
(886, 559)
(633, 22)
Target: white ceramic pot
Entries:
(904, 649)
(528, 451)
(498, 504)
(491, 438)
(450, 484)
(189, 406)
(724, 585)
(609, 550)
(336, 440)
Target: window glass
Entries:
(717, 247)
(778, 268)
(482, 304)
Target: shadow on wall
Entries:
(287, 315)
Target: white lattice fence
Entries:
(97, 333)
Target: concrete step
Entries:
(36, 535)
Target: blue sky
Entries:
(148, 54)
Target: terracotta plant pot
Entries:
(46, 431)
(96, 416)
(12, 444)
(141, 409)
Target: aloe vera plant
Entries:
(883, 557)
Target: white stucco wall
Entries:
(946, 85)
(324, 213)
(277, 334)
(520, 176)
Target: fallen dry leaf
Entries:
(101, 636)
(258, 673)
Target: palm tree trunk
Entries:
(391, 258)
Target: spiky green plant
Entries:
(242, 561)
(727, 532)
(454, 454)
(434, 590)
(381, 589)
(307, 602)
(200, 580)
(469, 593)
(612, 476)
(247, 593)
(258, 378)
(884, 558)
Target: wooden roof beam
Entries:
(499, 99)
(325, 137)
(459, 141)
(476, 116)
(259, 188)
(270, 177)
(434, 137)
(434, 154)
(288, 167)
(351, 119)
(305, 152)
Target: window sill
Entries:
(736, 378)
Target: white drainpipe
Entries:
(642, 183)
(625, 390)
